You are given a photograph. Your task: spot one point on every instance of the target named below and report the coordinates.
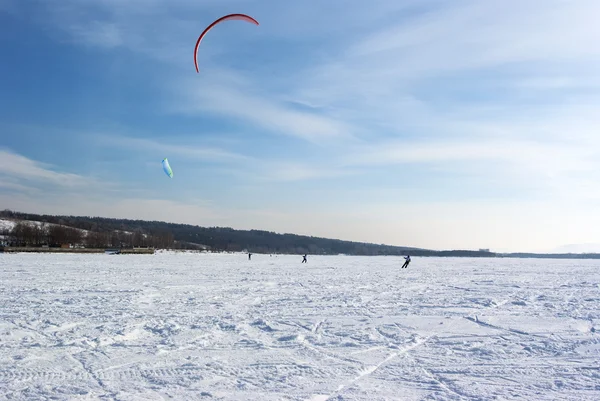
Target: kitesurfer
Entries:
(405, 265)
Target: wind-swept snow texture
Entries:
(195, 326)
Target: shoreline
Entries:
(31, 249)
(153, 251)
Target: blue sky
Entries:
(431, 123)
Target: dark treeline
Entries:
(110, 232)
(24, 234)
(228, 239)
(53, 235)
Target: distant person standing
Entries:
(304, 259)
(405, 265)
(249, 256)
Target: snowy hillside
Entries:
(195, 326)
(7, 225)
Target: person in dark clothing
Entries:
(304, 259)
(405, 265)
(249, 256)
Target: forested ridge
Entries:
(226, 238)
(104, 231)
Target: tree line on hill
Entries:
(114, 232)
(175, 235)
(52, 235)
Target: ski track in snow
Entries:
(191, 326)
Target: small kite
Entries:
(167, 168)
(242, 17)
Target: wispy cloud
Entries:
(555, 170)
(9, 184)
(470, 43)
(239, 99)
(297, 171)
(473, 34)
(17, 166)
(161, 30)
(521, 153)
(189, 150)
(165, 31)
(249, 168)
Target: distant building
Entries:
(484, 250)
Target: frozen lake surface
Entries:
(221, 327)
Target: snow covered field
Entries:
(221, 327)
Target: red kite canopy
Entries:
(242, 17)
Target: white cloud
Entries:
(555, 171)
(16, 166)
(12, 185)
(474, 34)
(508, 40)
(242, 101)
(294, 171)
(190, 150)
(522, 153)
(465, 86)
(162, 30)
(248, 168)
